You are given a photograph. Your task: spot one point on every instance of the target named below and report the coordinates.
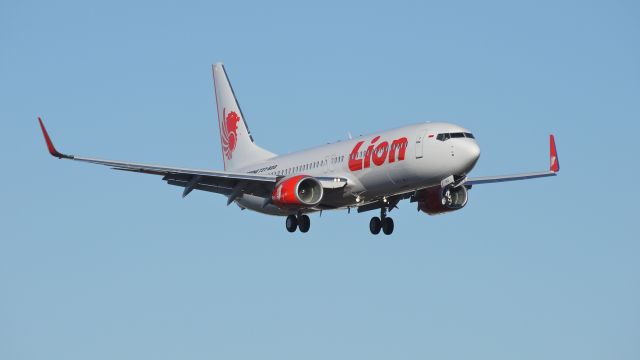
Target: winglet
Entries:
(52, 149)
(553, 155)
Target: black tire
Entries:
(304, 223)
(375, 225)
(387, 226)
(291, 223)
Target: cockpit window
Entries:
(447, 136)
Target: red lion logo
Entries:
(228, 132)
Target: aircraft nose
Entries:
(470, 153)
(474, 151)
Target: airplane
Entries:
(426, 163)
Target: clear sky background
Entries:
(100, 264)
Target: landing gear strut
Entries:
(301, 222)
(383, 222)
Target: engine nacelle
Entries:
(436, 200)
(298, 191)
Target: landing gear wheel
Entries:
(387, 225)
(304, 223)
(375, 225)
(291, 223)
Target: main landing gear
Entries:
(301, 222)
(383, 222)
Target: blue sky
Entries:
(101, 264)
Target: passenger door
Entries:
(419, 146)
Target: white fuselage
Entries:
(380, 164)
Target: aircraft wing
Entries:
(553, 170)
(227, 183)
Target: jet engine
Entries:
(297, 191)
(437, 200)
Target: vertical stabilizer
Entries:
(238, 148)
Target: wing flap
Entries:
(209, 188)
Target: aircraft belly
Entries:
(256, 203)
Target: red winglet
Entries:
(52, 149)
(553, 154)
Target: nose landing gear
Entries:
(383, 222)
